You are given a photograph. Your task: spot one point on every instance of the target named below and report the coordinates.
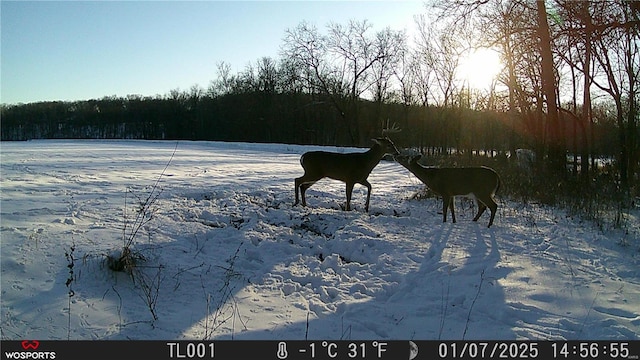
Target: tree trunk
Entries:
(555, 140)
(586, 101)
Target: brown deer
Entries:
(350, 168)
(481, 182)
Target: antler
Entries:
(391, 130)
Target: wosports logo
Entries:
(29, 347)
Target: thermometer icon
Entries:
(282, 350)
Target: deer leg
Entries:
(303, 191)
(445, 207)
(368, 185)
(494, 208)
(451, 205)
(303, 183)
(349, 192)
(297, 182)
(481, 208)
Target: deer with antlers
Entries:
(350, 168)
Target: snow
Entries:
(226, 255)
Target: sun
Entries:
(479, 68)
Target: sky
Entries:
(79, 50)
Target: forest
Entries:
(567, 91)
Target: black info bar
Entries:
(321, 350)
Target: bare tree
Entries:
(304, 48)
(392, 46)
(574, 47)
(224, 81)
(506, 27)
(521, 30)
(556, 147)
(439, 49)
(339, 65)
(267, 75)
(354, 52)
(290, 79)
(423, 74)
(616, 50)
(440, 52)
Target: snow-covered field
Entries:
(228, 256)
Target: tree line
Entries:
(568, 89)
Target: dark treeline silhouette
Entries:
(290, 118)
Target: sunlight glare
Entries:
(479, 68)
